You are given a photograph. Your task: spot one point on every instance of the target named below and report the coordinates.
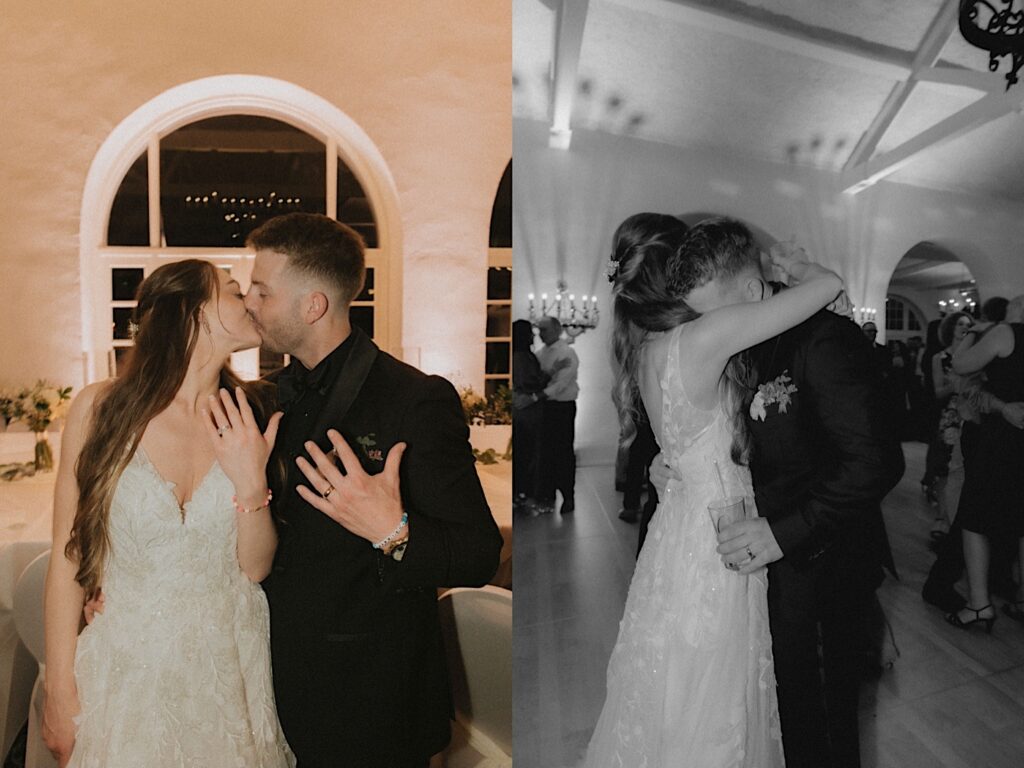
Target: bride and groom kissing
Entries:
(345, 484)
(743, 646)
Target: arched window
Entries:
(902, 319)
(192, 172)
(498, 335)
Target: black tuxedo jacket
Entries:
(821, 469)
(359, 671)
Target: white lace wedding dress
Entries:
(690, 681)
(176, 671)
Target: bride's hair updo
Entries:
(168, 320)
(642, 301)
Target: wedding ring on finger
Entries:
(750, 554)
(328, 491)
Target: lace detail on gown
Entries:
(176, 671)
(690, 680)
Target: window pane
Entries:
(222, 177)
(367, 293)
(353, 207)
(362, 317)
(491, 386)
(122, 316)
(912, 322)
(498, 354)
(270, 361)
(124, 283)
(129, 215)
(499, 283)
(499, 320)
(894, 315)
(501, 213)
(120, 357)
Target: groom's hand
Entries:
(661, 474)
(369, 506)
(748, 545)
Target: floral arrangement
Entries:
(37, 406)
(777, 391)
(495, 409)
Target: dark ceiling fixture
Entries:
(1003, 35)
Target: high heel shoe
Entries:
(1014, 610)
(956, 621)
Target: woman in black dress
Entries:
(992, 501)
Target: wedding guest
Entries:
(952, 331)
(528, 382)
(992, 501)
(934, 457)
(558, 457)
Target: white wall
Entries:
(567, 205)
(428, 82)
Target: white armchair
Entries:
(28, 618)
(477, 627)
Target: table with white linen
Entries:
(496, 480)
(26, 521)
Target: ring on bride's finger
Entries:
(328, 491)
(732, 566)
(749, 553)
(222, 430)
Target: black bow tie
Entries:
(294, 380)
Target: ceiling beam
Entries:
(981, 112)
(570, 19)
(934, 40)
(916, 268)
(987, 82)
(782, 33)
(963, 285)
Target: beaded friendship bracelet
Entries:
(264, 505)
(391, 536)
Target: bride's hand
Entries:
(241, 449)
(789, 260)
(842, 306)
(58, 726)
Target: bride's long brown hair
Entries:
(657, 263)
(169, 320)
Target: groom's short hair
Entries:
(317, 246)
(714, 247)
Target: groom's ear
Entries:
(316, 305)
(753, 289)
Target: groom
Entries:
(359, 671)
(821, 465)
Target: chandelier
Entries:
(574, 318)
(863, 315)
(1002, 35)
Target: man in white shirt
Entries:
(558, 453)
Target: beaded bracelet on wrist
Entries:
(391, 536)
(264, 505)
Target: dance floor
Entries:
(952, 699)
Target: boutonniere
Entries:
(777, 391)
(366, 442)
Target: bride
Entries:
(162, 499)
(690, 680)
